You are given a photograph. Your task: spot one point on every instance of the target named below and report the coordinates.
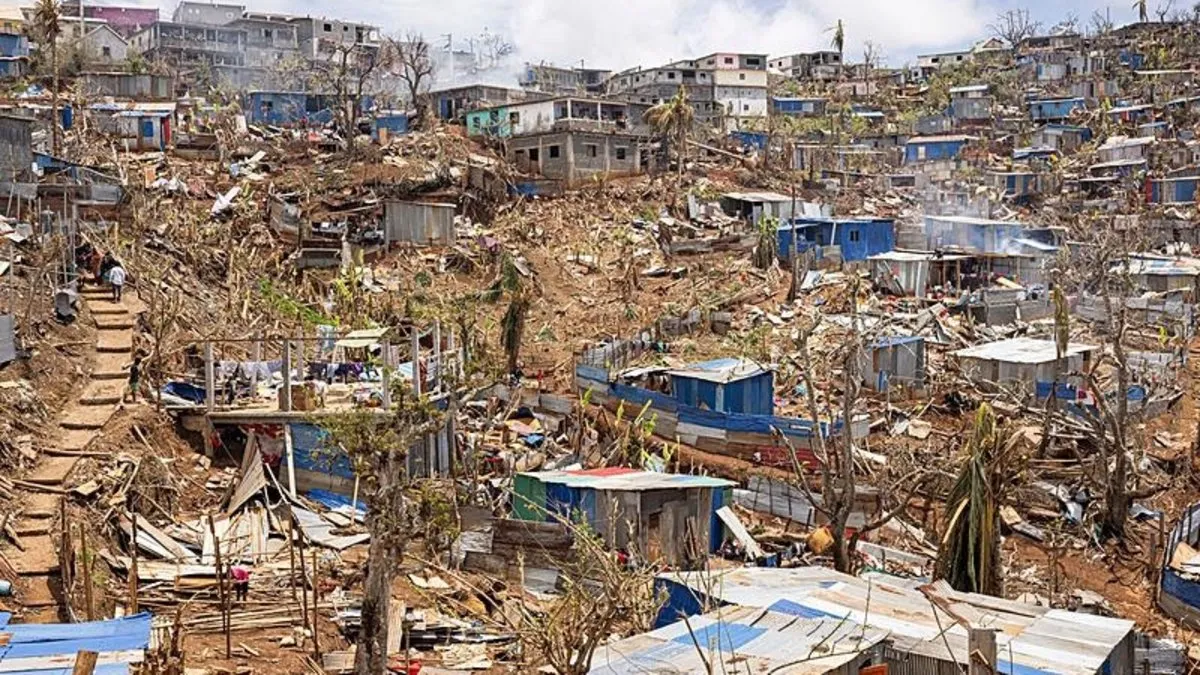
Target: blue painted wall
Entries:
(1174, 190)
(395, 124)
(798, 106)
(1055, 108)
(858, 239)
(13, 45)
(291, 108)
(933, 150)
(753, 395)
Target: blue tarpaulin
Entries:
(185, 390)
(31, 641)
(334, 501)
(107, 669)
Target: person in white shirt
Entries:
(116, 277)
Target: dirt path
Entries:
(80, 423)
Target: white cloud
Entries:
(618, 34)
(622, 33)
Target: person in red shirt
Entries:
(241, 582)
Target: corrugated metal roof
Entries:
(1150, 266)
(949, 138)
(366, 337)
(741, 638)
(1021, 350)
(1039, 639)
(757, 197)
(916, 256)
(629, 481)
(721, 371)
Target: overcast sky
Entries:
(618, 34)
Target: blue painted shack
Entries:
(1171, 190)
(656, 515)
(731, 385)
(1054, 108)
(750, 139)
(858, 238)
(931, 148)
(279, 108)
(14, 54)
(1179, 582)
(394, 121)
(1131, 59)
(798, 107)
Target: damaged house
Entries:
(1019, 364)
(658, 516)
(567, 138)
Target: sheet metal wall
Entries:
(419, 223)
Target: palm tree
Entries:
(839, 42)
(47, 29)
(969, 555)
(1143, 14)
(672, 120)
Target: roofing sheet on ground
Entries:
(1040, 640)
(742, 637)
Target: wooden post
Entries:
(386, 354)
(85, 663)
(416, 359)
(287, 379)
(257, 359)
(210, 378)
(133, 567)
(437, 354)
(291, 535)
(316, 596)
(290, 451)
(303, 579)
(222, 590)
(981, 651)
(90, 606)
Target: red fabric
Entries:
(241, 574)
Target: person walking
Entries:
(135, 378)
(116, 277)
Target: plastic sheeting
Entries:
(30, 641)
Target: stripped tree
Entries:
(379, 441)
